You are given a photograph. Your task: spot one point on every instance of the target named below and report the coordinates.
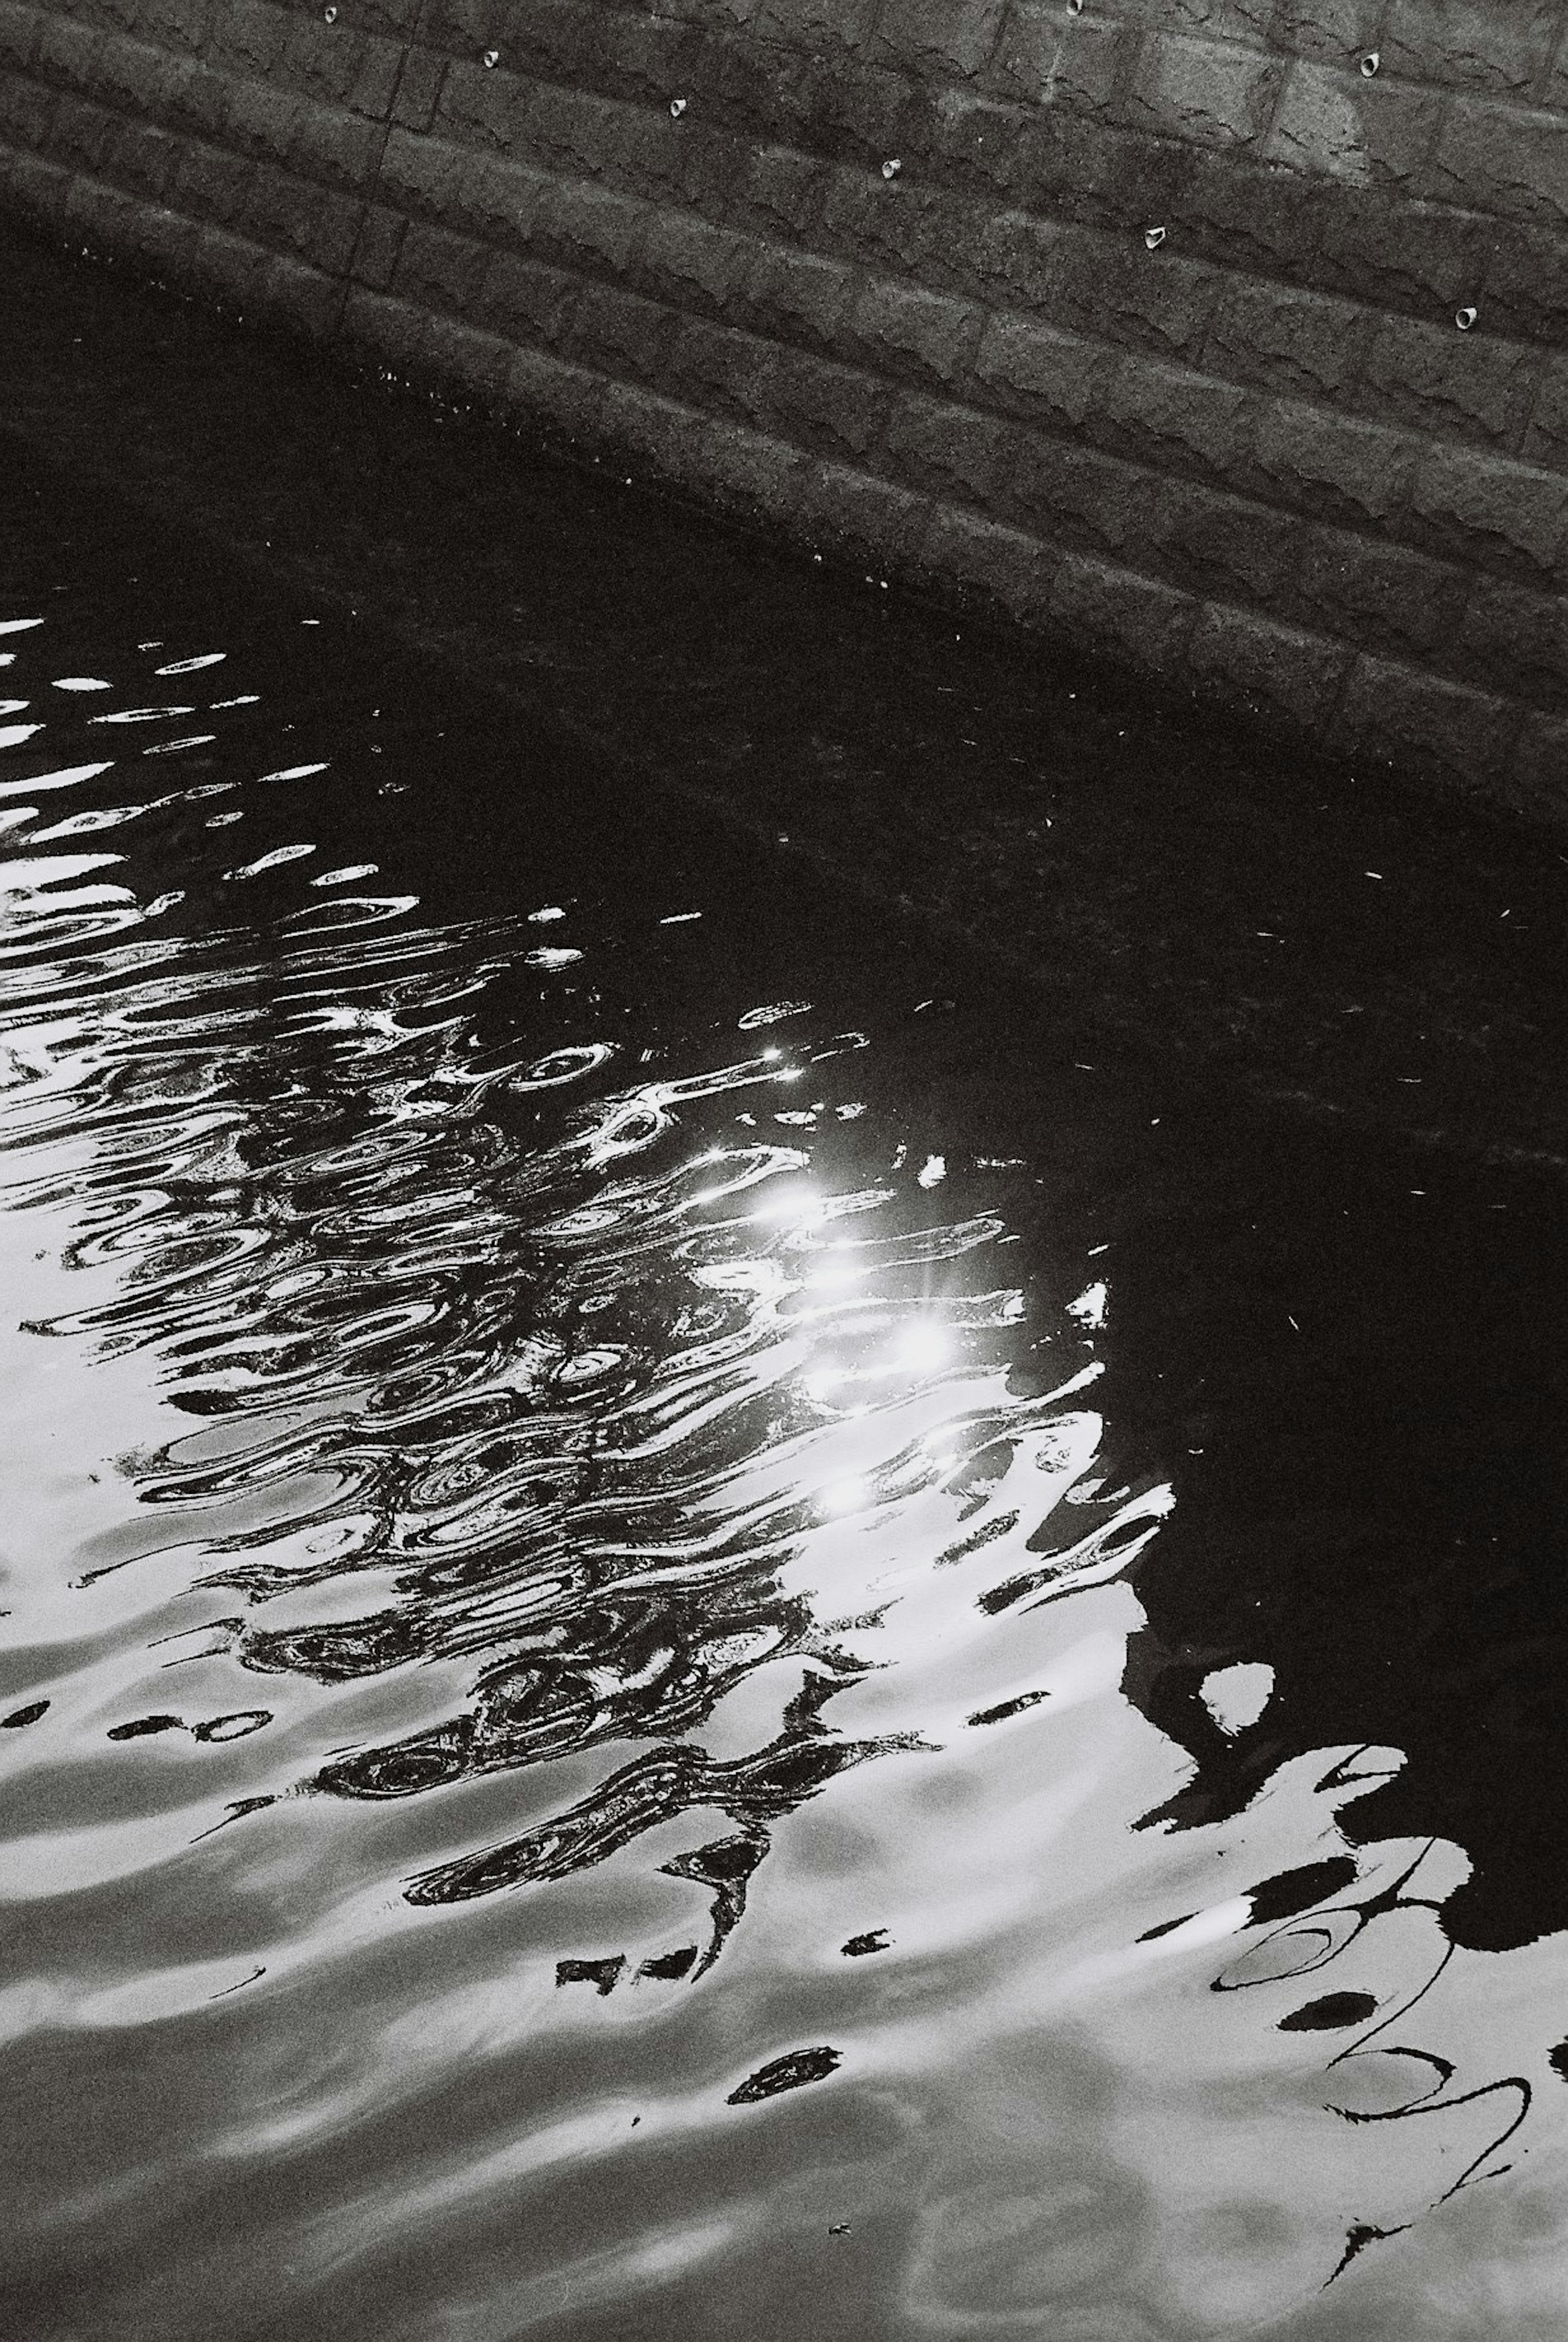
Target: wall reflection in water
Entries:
(569, 1584)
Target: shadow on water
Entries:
(694, 1625)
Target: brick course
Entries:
(885, 279)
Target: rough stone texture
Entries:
(884, 280)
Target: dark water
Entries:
(700, 1639)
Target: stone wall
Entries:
(1224, 336)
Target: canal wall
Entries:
(1222, 337)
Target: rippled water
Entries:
(606, 1730)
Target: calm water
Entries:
(691, 1646)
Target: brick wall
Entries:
(884, 271)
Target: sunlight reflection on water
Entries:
(545, 1612)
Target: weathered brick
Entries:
(82, 133)
(28, 111)
(246, 37)
(195, 99)
(690, 262)
(1469, 47)
(772, 192)
(812, 25)
(1245, 214)
(654, 434)
(141, 155)
(395, 331)
(938, 37)
(541, 37)
(898, 329)
(97, 217)
(1294, 340)
(958, 137)
(833, 410)
(1377, 596)
(1071, 495)
(1222, 547)
(1020, 253)
(300, 296)
(547, 391)
(830, 105)
(846, 509)
(1047, 57)
(584, 136)
(19, 29)
(718, 371)
(1248, 21)
(380, 240)
(796, 297)
(1330, 29)
(651, 58)
(260, 121)
(1007, 566)
(437, 269)
(1380, 249)
(340, 149)
(948, 450)
(331, 63)
(38, 189)
(494, 198)
(1400, 712)
(178, 24)
(1516, 641)
(375, 84)
(1454, 384)
(1521, 281)
(1546, 438)
(1505, 159)
(69, 53)
(1210, 92)
(908, 229)
(459, 356)
(488, 109)
(230, 267)
(420, 84)
(1365, 132)
(397, 18)
(1174, 420)
(521, 299)
(1114, 288)
(1493, 516)
(1331, 465)
(1113, 612)
(308, 222)
(161, 241)
(1027, 369)
(419, 174)
(747, 474)
(618, 333)
(593, 228)
(1283, 674)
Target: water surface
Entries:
(700, 1637)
